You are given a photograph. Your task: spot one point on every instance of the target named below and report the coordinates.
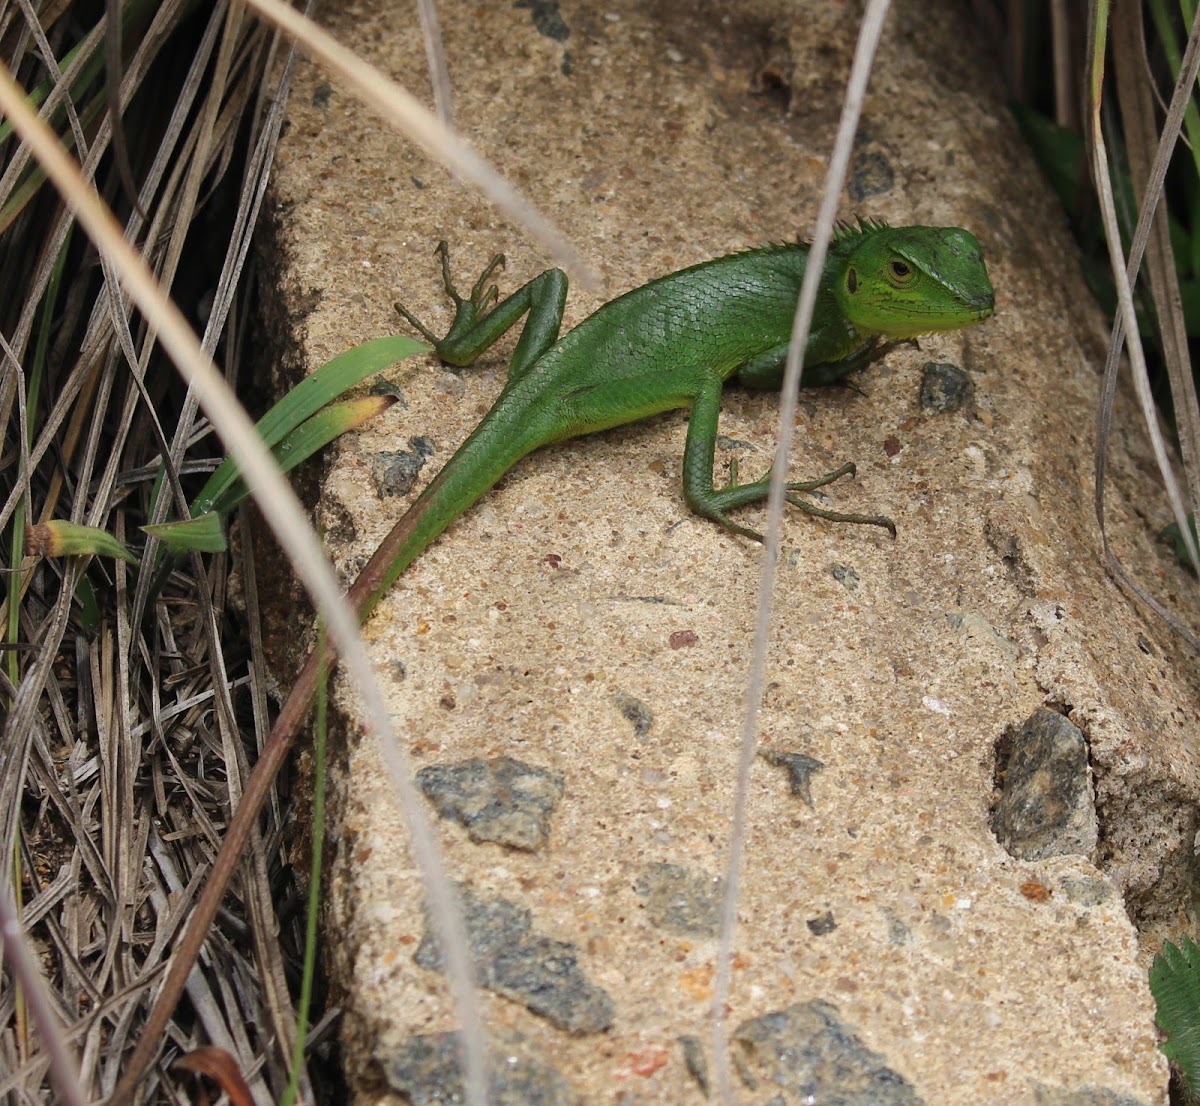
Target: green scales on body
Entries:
(675, 342)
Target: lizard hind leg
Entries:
(715, 503)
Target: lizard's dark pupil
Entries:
(900, 269)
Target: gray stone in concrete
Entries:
(502, 800)
(515, 961)
(1046, 806)
(807, 1054)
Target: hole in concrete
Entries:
(1148, 849)
(1143, 835)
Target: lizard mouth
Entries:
(965, 313)
(982, 307)
(974, 310)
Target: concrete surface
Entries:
(569, 659)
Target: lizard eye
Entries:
(901, 271)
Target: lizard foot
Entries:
(468, 311)
(738, 494)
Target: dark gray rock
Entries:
(1046, 805)
(681, 899)
(800, 770)
(810, 1055)
(694, 1060)
(514, 961)
(636, 712)
(945, 388)
(396, 472)
(871, 175)
(846, 576)
(898, 932)
(426, 1070)
(502, 800)
(546, 18)
(1088, 890)
(821, 924)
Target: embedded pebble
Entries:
(1046, 805)
(502, 800)
(945, 388)
(681, 899)
(1083, 1096)
(396, 471)
(800, 769)
(425, 1069)
(810, 1055)
(513, 960)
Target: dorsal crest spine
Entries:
(846, 233)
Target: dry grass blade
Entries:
(1149, 164)
(835, 180)
(439, 77)
(25, 969)
(1152, 232)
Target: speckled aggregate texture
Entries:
(580, 620)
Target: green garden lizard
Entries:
(674, 342)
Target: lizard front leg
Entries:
(704, 499)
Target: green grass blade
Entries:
(202, 534)
(308, 397)
(59, 538)
(87, 608)
(37, 373)
(1162, 15)
(329, 423)
(311, 935)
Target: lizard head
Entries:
(904, 281)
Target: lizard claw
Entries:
(838, 516)
(413, 321)
(480, 298)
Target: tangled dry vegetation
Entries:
(130, 697)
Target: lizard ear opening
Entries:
(852, 280)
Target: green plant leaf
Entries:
(60, 538)
(1174, 535)
(1194, 255)
(307, 398)
(1175, 985)
(330, 422)
(87, 607)
(202, 534)
(1059, 151)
